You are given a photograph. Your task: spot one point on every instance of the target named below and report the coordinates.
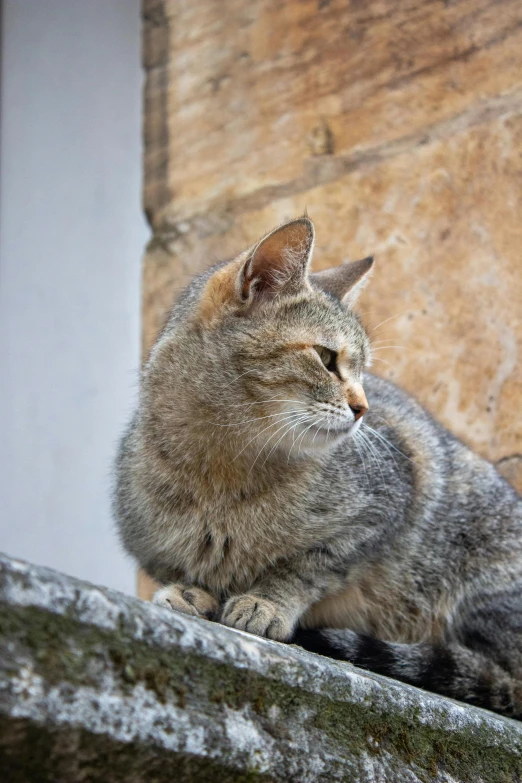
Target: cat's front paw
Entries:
(259, 616)
(189, 600)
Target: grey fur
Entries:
(395, 531)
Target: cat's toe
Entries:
(171, 597)
(258, 616)
(204, 603)
(188, 600)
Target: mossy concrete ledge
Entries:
(98, 686)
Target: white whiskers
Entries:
(287, 432)
(386, 443)
(373, 455)
(248, 421)
(403, 312)
(378, 359)
(290, 417)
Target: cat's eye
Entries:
(328, 358)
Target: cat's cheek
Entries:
(258, 616)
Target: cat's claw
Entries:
(189, 600)
(258, 616)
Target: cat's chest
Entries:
(226, 548)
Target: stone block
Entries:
(249, 88)
(98, 686)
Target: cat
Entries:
(268, 481)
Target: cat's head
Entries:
(265, 353)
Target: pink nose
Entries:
(357, 401)
(358, 410)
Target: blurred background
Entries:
(397, 125)
(72, 234)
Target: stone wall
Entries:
(398, 126)
(96, 686)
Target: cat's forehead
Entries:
(317, 314)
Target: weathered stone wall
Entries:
(99, 687)
(398, 126)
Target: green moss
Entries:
(65, 650)
(56, 755)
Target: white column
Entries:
(71, 238)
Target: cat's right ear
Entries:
(278, 263)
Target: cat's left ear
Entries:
(346, 281)
(279, 262)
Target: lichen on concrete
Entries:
(99, 686)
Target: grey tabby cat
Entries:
(257, 486)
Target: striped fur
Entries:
(452, 669)
(255, 486)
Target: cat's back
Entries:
(413, 433)
(459, 502)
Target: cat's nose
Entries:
(358, 404)
(358, 410)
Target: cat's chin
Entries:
(322, 438)
(342, 429)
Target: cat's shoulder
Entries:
(385, 392)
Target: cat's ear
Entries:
(346, 281)
(279, 262)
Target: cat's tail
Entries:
(451, 670)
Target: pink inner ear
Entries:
(281, 258)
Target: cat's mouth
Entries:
(339, 427)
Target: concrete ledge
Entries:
(97, 686)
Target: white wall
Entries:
(71, 237)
